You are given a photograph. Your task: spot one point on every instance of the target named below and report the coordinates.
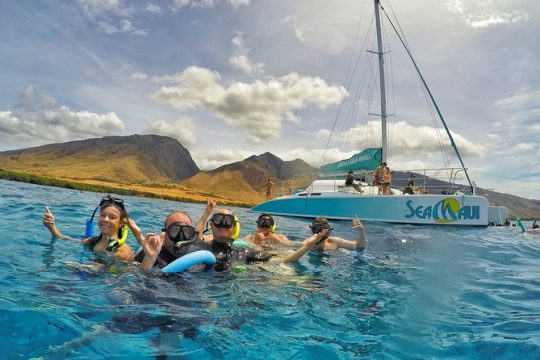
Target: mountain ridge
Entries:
(162, 166)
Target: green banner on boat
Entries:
(366, 160)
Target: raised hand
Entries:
(356, 223)
(135, 229)
(48, 219)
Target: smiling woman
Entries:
(112, 223)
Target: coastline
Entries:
(159, 191)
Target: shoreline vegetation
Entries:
(157, 191)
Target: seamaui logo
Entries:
(445, 211)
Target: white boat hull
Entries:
(458, 210)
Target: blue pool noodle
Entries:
(196, 257)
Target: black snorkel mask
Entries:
(181, 234)
(317, 228)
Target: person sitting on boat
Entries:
(379, 178)
(321, 239)
(266, 234)
(409, 189)
(112, 224)
(349, 181)
(387, 177)
(225, 229)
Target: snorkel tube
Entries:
(89, 230)
(520, 224)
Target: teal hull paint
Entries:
(460, 210)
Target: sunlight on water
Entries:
(416, 292)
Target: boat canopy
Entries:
(366, 160)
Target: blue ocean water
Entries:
(415, 293)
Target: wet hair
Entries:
(320, 221)
(124, 215)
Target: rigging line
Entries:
(445, 156)
(444, 153)
(433, 100)
(348, 86)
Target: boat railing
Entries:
(427, 181)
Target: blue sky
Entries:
(232, 78)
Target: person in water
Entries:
(225, 229)
(112, 224)
(265, 234)
(321, 240)
(159, 250)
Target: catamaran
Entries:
(436, 198)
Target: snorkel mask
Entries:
(266, 222)
(122, 233)
(317, 227)
(226, 221)
(181, 234)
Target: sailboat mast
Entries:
(382, 81)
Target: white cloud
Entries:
(178, 4)
(153, 8)
(111, 16)
(485, 13)
(407, 140)
(299, 29)
(237, 3)
(182, 129)
(209, 159)
(239, 59)
(258, 107)
(40, 120)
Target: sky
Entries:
(234, 78)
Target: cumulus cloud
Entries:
(259, 107)
(485, 13)
(38, 120)
(407, 140)
(110, 16)
(209, 159)
(239, 59)
(182, 129)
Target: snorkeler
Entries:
(112, 224)
(159, 250)
(225, 229)
(321, 230)
(265, 234)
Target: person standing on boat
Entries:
(387, 180)
(269, 185)
(379, 178)
(321, 239)
(349, 181)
